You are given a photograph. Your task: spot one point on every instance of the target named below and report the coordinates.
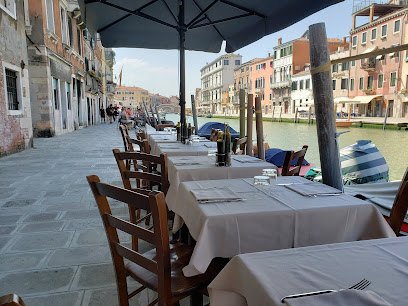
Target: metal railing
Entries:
(281, 84)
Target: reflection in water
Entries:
(289, 136)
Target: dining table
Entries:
(175, 148)
(265, 278)
(291, 212)
(203, 167)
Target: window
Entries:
(353, 63)
(307, 84)
(274, 54)
(294, 85)
(335, 68)
(397, 25)
(301, 84)
(361, 84)
(55, 93)
(70, 37)
(384, 31)
(12, 96)
(364, 38)
(237, 62)
(370, 82)
(334, 84)
(351, 84)
(69, 95)
(79, 45)
(345, 66)
(380, 81)
(393, 79)
(363, 61)
(344, 83)
(354, 41)
(9, 6)
(290, 49)
(63, 25)
(374, 34)
(50, 16)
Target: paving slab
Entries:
(80, 256)
(37, 282)
(41, 217)
(41, 227)
(83, 224)
(41, 241)
(6, 230)
(73, 298)
(21, 261)
(94, 276)
(9, 219)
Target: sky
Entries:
(158, 70)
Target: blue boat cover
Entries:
(205, 130)
(277, 157)
(361, 163)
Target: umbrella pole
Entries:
(182, 36)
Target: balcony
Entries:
(259, 90)
(369, 91)
(110, 88)
(110, 57)
(368, 66)
(281, 84)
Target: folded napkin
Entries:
(311, 189)
(212, 195)
(340, 298)
(246, 159)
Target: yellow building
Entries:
(132, 97)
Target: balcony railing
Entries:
(368, 66)
(110, 57)
(259, 89)
(281, 84)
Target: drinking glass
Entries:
(261, 180)
(212, 152)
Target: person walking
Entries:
(102, 112)
(115, 113)
(109, 112)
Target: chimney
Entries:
(345, 40)
(279, 41)
(269, 54)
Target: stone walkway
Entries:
(53, 248)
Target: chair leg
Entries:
(196, 299)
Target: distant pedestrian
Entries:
(109, 112)
(102, 111)
(115, 113)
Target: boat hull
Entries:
(344, 123)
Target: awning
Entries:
(343, 100)
(357, 100)
(394, 54)
(369, 50)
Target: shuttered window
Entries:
(12, 98)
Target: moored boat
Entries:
(344, 123)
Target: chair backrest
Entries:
(290, 155)
(11, 300)
(140, 135)
(144, 175)
(400, 206)
(160, 127)
(241, 144)
(143, 145)
(125, 132)
(214, 136)
(159, 237)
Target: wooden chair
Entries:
(214, 136)
(142, 144)
(290, 155)
(145, 175)
(141, 135)
(124, 132)
(241, 142)
(400, 206)
(11, 300)
(159, 269)
(160, 127)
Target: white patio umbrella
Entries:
(200, 25)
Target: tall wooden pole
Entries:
(250, 124)
(157, 114)
(182, 49)
(324, 106)
(154, 118)
(241, 113)
(259, 128)
(193, 109)
(147, 113)
(386, 115)
(309, 115)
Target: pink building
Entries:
(260, 76)
(376, 82)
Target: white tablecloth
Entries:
(204, 168)
(264, 278)
(270, 218)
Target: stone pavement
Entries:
(53, 248)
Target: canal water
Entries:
(393, 144)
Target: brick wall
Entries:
(11, 137)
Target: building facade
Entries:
(302, 91)
(260, 77)
(16, 132)
(376, 83)
(215, 79)
(132, 97)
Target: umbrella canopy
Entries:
(200, 25)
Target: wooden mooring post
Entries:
(194, 111)
(324, 106)
(296, 115)
(250, 116)
(259, 128)
(154, 118)
(273, 112)
(147, 113)
(309, 115)
(280, 115)
(241, 113)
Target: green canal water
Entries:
(393, 144)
